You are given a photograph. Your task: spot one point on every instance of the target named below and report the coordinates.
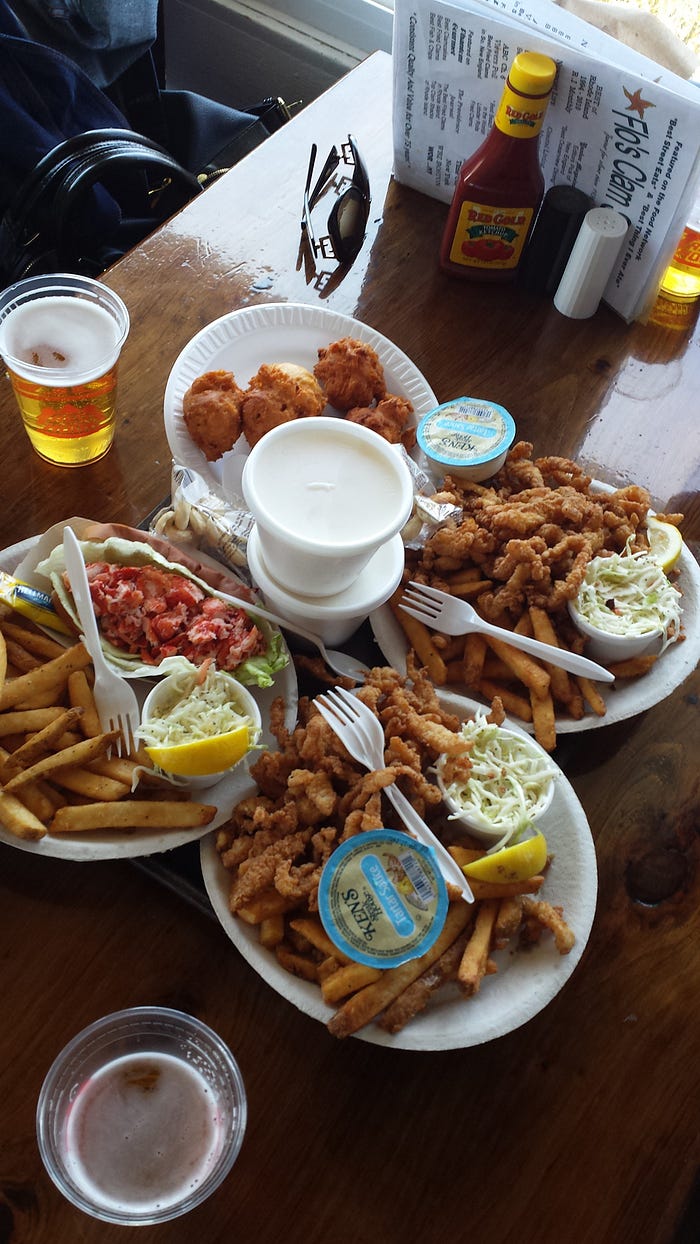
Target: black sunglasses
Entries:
(347, 221)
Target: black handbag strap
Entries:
(99, 163)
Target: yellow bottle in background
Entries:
(681, 279)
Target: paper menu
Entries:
(624, 130)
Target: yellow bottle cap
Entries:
(532, 73)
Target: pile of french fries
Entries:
(530, 690)
(503, 914)
(58, 773)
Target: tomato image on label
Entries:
(487, 249)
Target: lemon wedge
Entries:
(203, 756)
(517, 863)
(665, 542)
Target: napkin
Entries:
(644, 32)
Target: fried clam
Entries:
(277, 394)
(211, 408)
(389, 417)
(350, 373)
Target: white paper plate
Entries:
(273, 333)
(525, 982)
(228, 792)
(623, 700)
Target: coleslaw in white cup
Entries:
(505, 784)
(626, 607)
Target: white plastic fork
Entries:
(341, 662)
(453, 616)
(115, 700)
(363, 735)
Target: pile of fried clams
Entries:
(312, 796)
(348, 376)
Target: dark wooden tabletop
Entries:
(581, 1125)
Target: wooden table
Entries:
(580, 1126)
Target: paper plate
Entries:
(273, 333)
(225, 794)
(525, 982)
(624, 699)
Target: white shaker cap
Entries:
(591, 262)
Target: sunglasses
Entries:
(347, 221)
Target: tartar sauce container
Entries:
(467, 438)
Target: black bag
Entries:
(79, 186)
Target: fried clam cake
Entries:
(211, 408)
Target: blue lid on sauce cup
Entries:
(467, 438)
(382, 898)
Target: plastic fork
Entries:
(363, 735)
(115, 700)
(453, 616)
(341, 662)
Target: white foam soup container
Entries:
(326, 495)
(334, 618)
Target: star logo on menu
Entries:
(637, 104)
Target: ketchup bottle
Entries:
(500, 186)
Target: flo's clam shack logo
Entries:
(631, 144)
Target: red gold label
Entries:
(490, 237)
(518, 116)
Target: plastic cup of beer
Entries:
(141, 1116)
(60, 339)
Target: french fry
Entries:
(472, 966)
(416, 997)
(475, 649)
(346, 980)
(131, 814)
(267, 903)
(28, 720)
(297, 964)
(466, 855)
(514, 704)
(68, 757)
(119, 768)
(80, 695)
(34, 641)
(22, 692)
(19, 658)
(315, 933)
(543, 720)
(634, 667)
(507, 923)
(592, 695)
(37, 744)
(20, 821)
(3, 660)
(561, 685)
(527, 670)
(90, 785)
(271, 931)
(34, 796)
(363, 1006)
(420, 639)
(505, 889)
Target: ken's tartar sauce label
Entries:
(382, 898)
(466, 432)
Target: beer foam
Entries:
(75, 337)
(142, 1133)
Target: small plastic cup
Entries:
(165, 693)
(326, 494)
(141, 1116)
(60, 339)
(606, 647)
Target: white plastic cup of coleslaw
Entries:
(506, 784)
(326, 495)
(197, 732)
(626, 607)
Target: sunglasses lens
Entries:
(347, 223)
